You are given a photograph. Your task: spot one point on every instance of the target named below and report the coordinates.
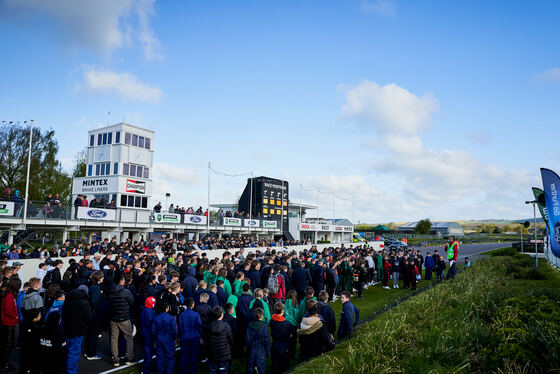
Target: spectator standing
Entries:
(257, 340)
(76, 313)
(219, 341)
(146, 321)
(165, 333)
(283, 335)
(10, 319)
(120, 303)
(349, 317)
(190, 331)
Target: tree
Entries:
(423, 227)
(80, 164)
(46, 173)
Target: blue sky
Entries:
(433, 109)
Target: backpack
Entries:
(272, 285)
(48, 279)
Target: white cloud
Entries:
(446, 183)
(104, 25)
(551, 75)
(389, 108)
(380, 7)
(175, 174)
(124, 85)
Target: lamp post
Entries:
(167, 196)
(534, 202)
(27, 177)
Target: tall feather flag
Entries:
(551, 187)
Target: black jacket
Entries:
(301, 279)
(327, 313)
(76, 313)
(204, 310)
(313, 340)
(283, 333)
(120, 302)
(219, 340)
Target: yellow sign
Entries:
(285, 203)
(272, 202)
(265, 200)
(265, 210)
(278, 211)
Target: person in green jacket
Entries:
(379, 263)
(238, 284)
(232, 299)
(291, 308)
(259, 294)
(309, 295)
(207, 274)
(222, 273)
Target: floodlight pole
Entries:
(27, 178)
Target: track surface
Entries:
(473, 251)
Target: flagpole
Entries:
(27, 178)
(208, 203)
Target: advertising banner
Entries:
(251, 223)
(229, 221)
(94, 185)
(167, 218)
(541, 203)
(270, 224)
(97, 214)
(308, 227)
(337, 228)
(324, 228)
(6, 208)
(551, 186)
(191, 219)
(348, 229)
(134, 186)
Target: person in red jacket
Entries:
(279, 296)
(9, 317)
(386, 272)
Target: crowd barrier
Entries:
(30, 266)
(550, 257)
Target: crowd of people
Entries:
(180, 210)
(50, 207)
(256, 305)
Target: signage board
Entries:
(97, 214)
(95, 185)
(229, 221)
(191, 219)
(251, 222)
(270, 224)
(167, 218)
(348, 229)
(134, 186)
(6, 208)
(308, 227)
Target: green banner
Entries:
(539, 196)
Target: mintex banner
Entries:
(6, 208)
(191, 219)
(134, 186)
(551, 187)
(229, 221)
(167, 218)
(97, 214)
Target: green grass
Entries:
(471, 324)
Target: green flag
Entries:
(539, 196)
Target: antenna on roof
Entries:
(108, 117)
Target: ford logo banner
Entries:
(195, 219)
(96, 213)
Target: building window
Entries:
(117, 137)
(147, 173)
(139, 171)
(110, 138)
(90, 170)
(130, 200)
(132, 170)
(104, 138)
(108, 169)
(91, 140)
(123, 200)
(99, 138)
(144, 202)
(97, 168)
(147, 143)
(102, 169)
(125, 168)
(141, 142)
(127, 137)
(116, 168)
(134, 140)
(137, 202)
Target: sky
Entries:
(393, 110)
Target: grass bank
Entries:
(498, 316)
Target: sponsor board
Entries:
(94, 185)
(191, 219)
(270, 224)
(229, 221)
(134, 186)
(167, 218)
(251, 222)
(6, 208)
(308, 227)
(97, 214)
(348, 229)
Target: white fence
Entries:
(550, 257)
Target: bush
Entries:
(505, 252)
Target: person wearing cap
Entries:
(146, 320)
(76, 314)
